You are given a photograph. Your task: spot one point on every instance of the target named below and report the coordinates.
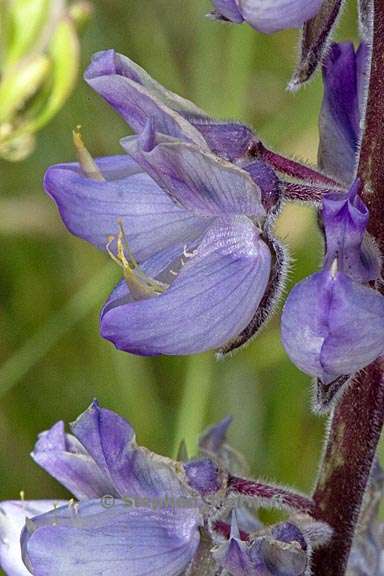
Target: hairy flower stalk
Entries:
(358, 419)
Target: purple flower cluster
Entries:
(142, 514)
(188, 216)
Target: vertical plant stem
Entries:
(353, 437)
(193, 408)
(358, 419)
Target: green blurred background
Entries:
(52, 285)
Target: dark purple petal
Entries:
(345, 218)
(212, 300)
(137, 97)
(268, 182)
(229, 140)
(196, 180)
(344, 76)
(134, 471)
(315, 38)
(12, 520)
(332, 326)
(64, 458)
(86, 539)
(93, 210)
(289, 532)
(203, 475)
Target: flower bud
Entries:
(38, 69)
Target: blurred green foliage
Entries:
(52, 285)
(39, 61)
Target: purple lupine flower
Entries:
(267, 15)
(185, 216)
(345, 82)
(332, 322)
(101, 464)
(155, 518)
(326, 315)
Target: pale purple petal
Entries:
(110, 63)
(272, 15)
(87, 539)
(229, 10)
(93, 210)
(212, 300)
(134, 471)
(332, 326)
(234, 558)
(12, 520)
(115, 76)
(196, 180)
(213, 439)
(137, 97)
(64, 458)
(213, 443)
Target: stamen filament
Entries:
(140, 285)
(87, 163)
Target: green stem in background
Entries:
(358, 419)
(133, 380)
(18, 365)
(195, 401)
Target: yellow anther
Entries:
(87, 163)
(22, 495)
(140, 285)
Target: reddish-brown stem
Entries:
(355, 431)
(306, 192)
(271, 495)
(291, 167)
(358, 419)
